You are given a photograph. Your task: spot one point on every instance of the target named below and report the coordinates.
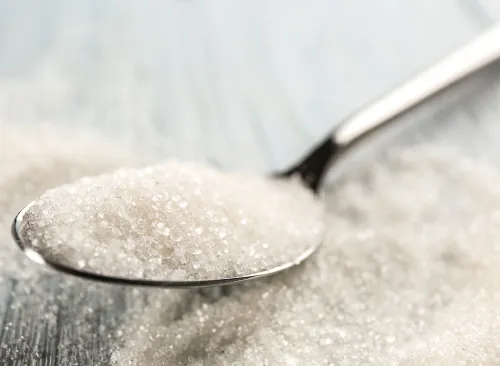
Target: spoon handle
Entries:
(472, 57)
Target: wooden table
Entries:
(236, 83)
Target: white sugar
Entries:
(176, 221)
(35, 158)
(408, 275)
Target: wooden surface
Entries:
(238, 83)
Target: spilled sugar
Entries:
(175, 221)
(407, 275)
(34, 301)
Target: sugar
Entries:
(33, 299)
(148, 223)
(47, 156)
(407, 275)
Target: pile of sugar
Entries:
(408, 275)
(176, 221)
(34, 158)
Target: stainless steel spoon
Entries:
(474, 56)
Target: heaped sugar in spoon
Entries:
(180, 221)
(187, 225)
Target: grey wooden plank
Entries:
(6, 286)
(30, 323)
(489, 8)
(477, 11)
(88, 322)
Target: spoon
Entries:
(474, 56)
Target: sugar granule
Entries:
(408, 275)
(177, 221)
(34, 299)
(34, 158)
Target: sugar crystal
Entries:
(408, 273)
(163, 228)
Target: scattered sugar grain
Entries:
(35, 300)
(176, 220)
(408, 275)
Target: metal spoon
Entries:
(474, 56)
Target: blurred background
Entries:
(237, 83)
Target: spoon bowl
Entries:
(26, 246)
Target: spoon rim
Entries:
(35, 256)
